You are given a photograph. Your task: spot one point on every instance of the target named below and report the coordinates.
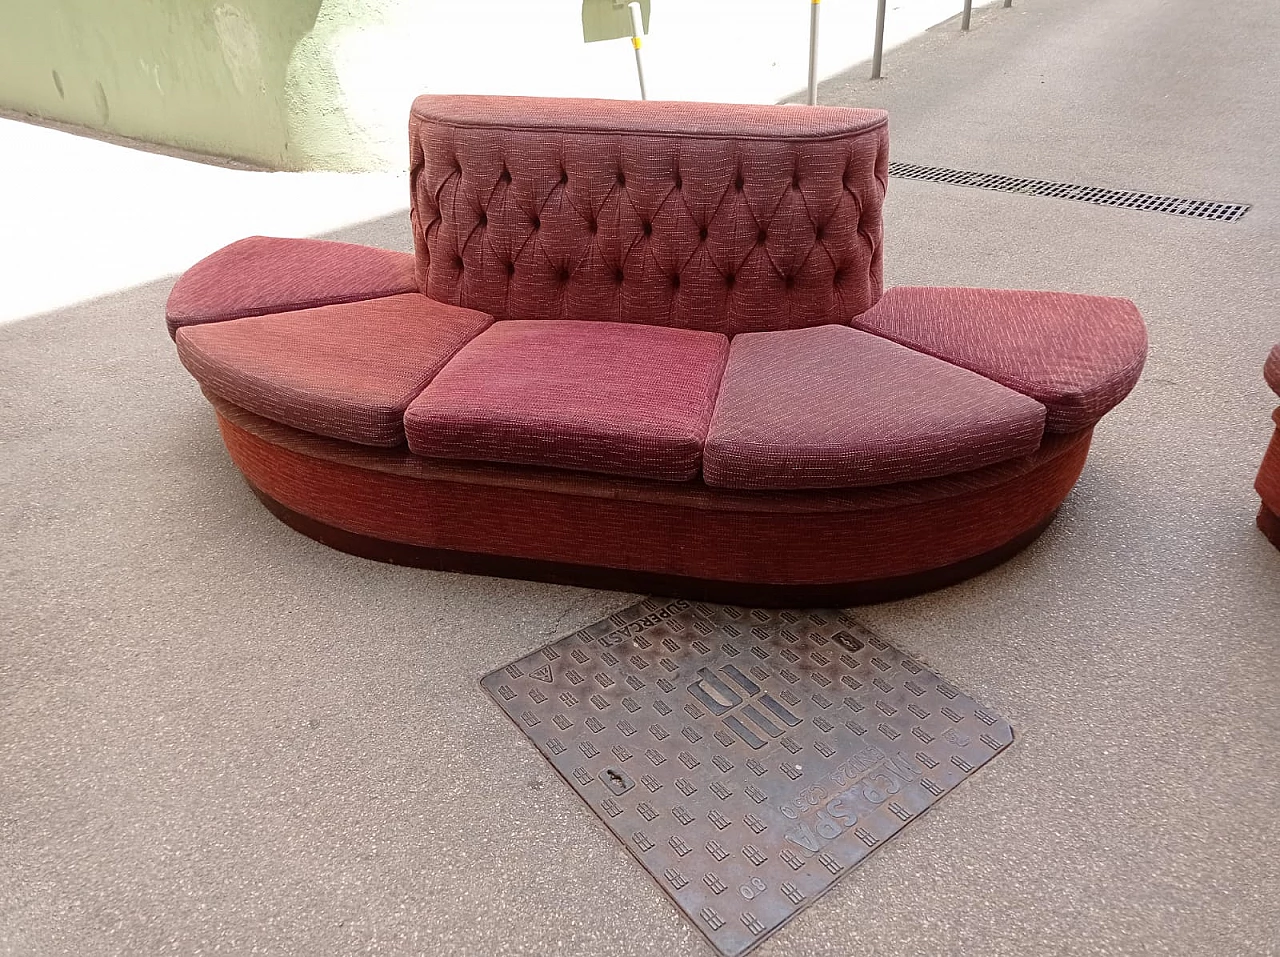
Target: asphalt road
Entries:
(217, 736)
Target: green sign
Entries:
(609, 19)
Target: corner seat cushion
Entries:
(265, 274)
(614, 398)
(831, 407)
(347, 371)
(1271, 370)
(1078, 355)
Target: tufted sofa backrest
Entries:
(719, 217)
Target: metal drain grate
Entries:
(1122, 198)
(747, 759)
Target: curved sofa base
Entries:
(838, 595)
(680, 539)
(1269, 522)
(1268, 486)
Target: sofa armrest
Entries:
(266, 274)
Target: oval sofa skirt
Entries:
(1268, 486)
(779, 549)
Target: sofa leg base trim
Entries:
(756, 595)
(1269, 522)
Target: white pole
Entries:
(877, 57)
(813, 52)
(637, 29)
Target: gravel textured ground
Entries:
(217, 736)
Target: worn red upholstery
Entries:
(265, 274)
(832, 407)
(346, 371)
(549, 378)
(1268, 480)
(1078, 355)
(701, 216)
(619, 399)
(707, 540)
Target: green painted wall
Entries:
(205, 75)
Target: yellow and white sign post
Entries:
(613, 19)
(636, 31)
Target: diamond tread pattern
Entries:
(747, 758)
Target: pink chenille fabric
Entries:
(718, 217)
(265, 274)
(1077, 355)
(614, 398)
(831, 407)
(346, 371)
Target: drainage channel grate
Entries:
(1122, 198)
(747, 759)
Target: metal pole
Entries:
(813, 52)
(968, 12)
(878, 57)
(637, 28)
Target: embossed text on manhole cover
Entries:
(746, 758)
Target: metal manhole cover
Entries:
(746, 758)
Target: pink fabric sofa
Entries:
(1268, 481)
(646, 345)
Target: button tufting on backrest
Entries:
(702, 216)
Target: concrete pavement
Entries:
(219, 737)
(125, 217)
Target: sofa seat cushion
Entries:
(346, 371)
(1078, 355)
(614, 398)
(265, 274)
(831, 407)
